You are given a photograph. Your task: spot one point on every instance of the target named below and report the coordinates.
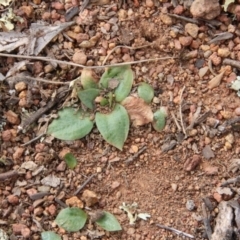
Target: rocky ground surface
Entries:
(185, 177)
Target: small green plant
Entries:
(74, 219)
(108, 105)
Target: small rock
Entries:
(25, 232)
(17, 227)
(216, 60)
(74, 202)
(115, 184)
(134, 149)
(230, 138)
(203, 71)
(190, 205)
(38, 211)
(237, 111)
(51, 181)
(20, 86)
(6, 135)
(223, 52)
(217, 197)
(31, 191)
(192, 163)
(12, 117)
(178, 10)
(174, 187)
(79, 57)
(185, 41)
(13, 199)
(52, 210)
(89, 197)
(192, 29)
(226, 114)
(61, 167)
(166, 19)
(205, 9)
(149, 3)
(225, 192)
(207, 152)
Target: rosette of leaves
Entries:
(110, 116)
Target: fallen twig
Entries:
(42, 80)
(180, 112)
(231, 62)
(33, 140)
(206, 221)
(6, 175)
(84, 184)
(230, 181)
(61, 93)
(176, 121)
(61, 203)
(176, 231)
(183, 18)
(132, 158)
(122, 46)
(46, 59)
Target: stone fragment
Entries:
(192, 163)
(192, 29)
(190, 205)
(223, 52)
(74, 202)
(25, 232)
(79, 57)
(20, 86)
(17, 227)
(12, 117)
(207, 152)
(89, 197)
(166, 19)
(185, 41)
(13, 199)
(205, 9)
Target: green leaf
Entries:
(49, 235)
(87, 79)
(159, 119)
(114, 126)
(124, 75)
(146, 92)
(71, 219)
(70, 125)
(109, 223)
(88, 96)
(70, 160)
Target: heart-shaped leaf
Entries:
(122, 74)
(87, 79)
(70, 160)
(71, 219)
(87, 97)
(159, 119)
(109, 223)
(70, 125)
(49, 235)
(146, 92)
(114, 126)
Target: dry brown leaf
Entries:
(215, 81)
(209, 169)
(140, 113)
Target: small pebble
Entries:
(190, 205)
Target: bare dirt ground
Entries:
(178, 166)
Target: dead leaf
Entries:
(51, 181)
(215, 81)
(207, 152)
(209, 169)
(40, 34)
(140, 112)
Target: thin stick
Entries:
(180, 112)
(43, 80)
(46, 59)
(206, 222)
(33, 140)
(131, 158)
(84, 184)
(210, 67)
(183, 18)
(122, 46)
(233, 63)
(176, 121)
(176, 231)
(6, 175)
(230, 181)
